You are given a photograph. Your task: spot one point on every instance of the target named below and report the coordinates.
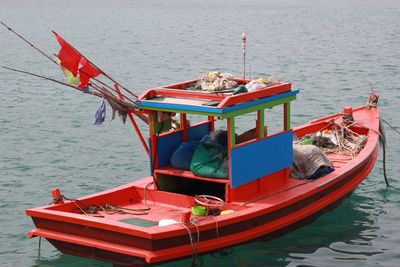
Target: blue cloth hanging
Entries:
(100, 115)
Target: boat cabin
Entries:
(253, 161)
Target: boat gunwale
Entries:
(302, 191)
(211, 244)
(366, 157)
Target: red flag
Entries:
(86, 72)
(73, 61)
(68, 56)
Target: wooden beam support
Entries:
(260, 124)
(286, 116)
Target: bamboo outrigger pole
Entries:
(55, 62)
(102, 83)
(102, 72)
(34, 47)
(109, 96)
(98, 94)
(50, 79)
(101, 91)
(139, 133)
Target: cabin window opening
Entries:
(194, 119)
(189, 187)
(220, 124)
(246, 127)
(162, 122)
(276, 119)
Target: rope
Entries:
(144, 195)
(107, 208)
(217, 232)
(348, 142)
(39, 246)
(154, 157)
(330, 122)
(382, 141)
(394, 129)
(193, 222)
(191, 242)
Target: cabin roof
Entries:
(177, 98)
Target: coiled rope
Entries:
(93, 210)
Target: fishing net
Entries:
(216, 81)
(340, 139)
(309, 162)
(348, 142)
(310, 159)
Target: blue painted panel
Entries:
(155, 105)
(258, 159)
(197, 132)
(168, 144)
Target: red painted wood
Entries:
(228, 187)
(153, 141)
(226, 99)
(184, 126)
(266, 185)
(139, 133)
(181, 93)
(187, 174)
(137, 130)
(240, 236)
(260, 93)
(181, 85)
(211, 120)
(262, 207)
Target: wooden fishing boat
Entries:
(161, 217)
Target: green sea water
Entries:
(331, 50)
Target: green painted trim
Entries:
(231, 131)
(156, 125)
(233, 113)
(257, 107)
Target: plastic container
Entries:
(199, 210)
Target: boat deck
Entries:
(157, 211)
(338, 160)
(132, 211)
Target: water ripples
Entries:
(331, 50)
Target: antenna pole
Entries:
(244, 38)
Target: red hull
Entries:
(287, 203)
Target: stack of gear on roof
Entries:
(215, 81)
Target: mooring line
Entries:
(390, 125)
